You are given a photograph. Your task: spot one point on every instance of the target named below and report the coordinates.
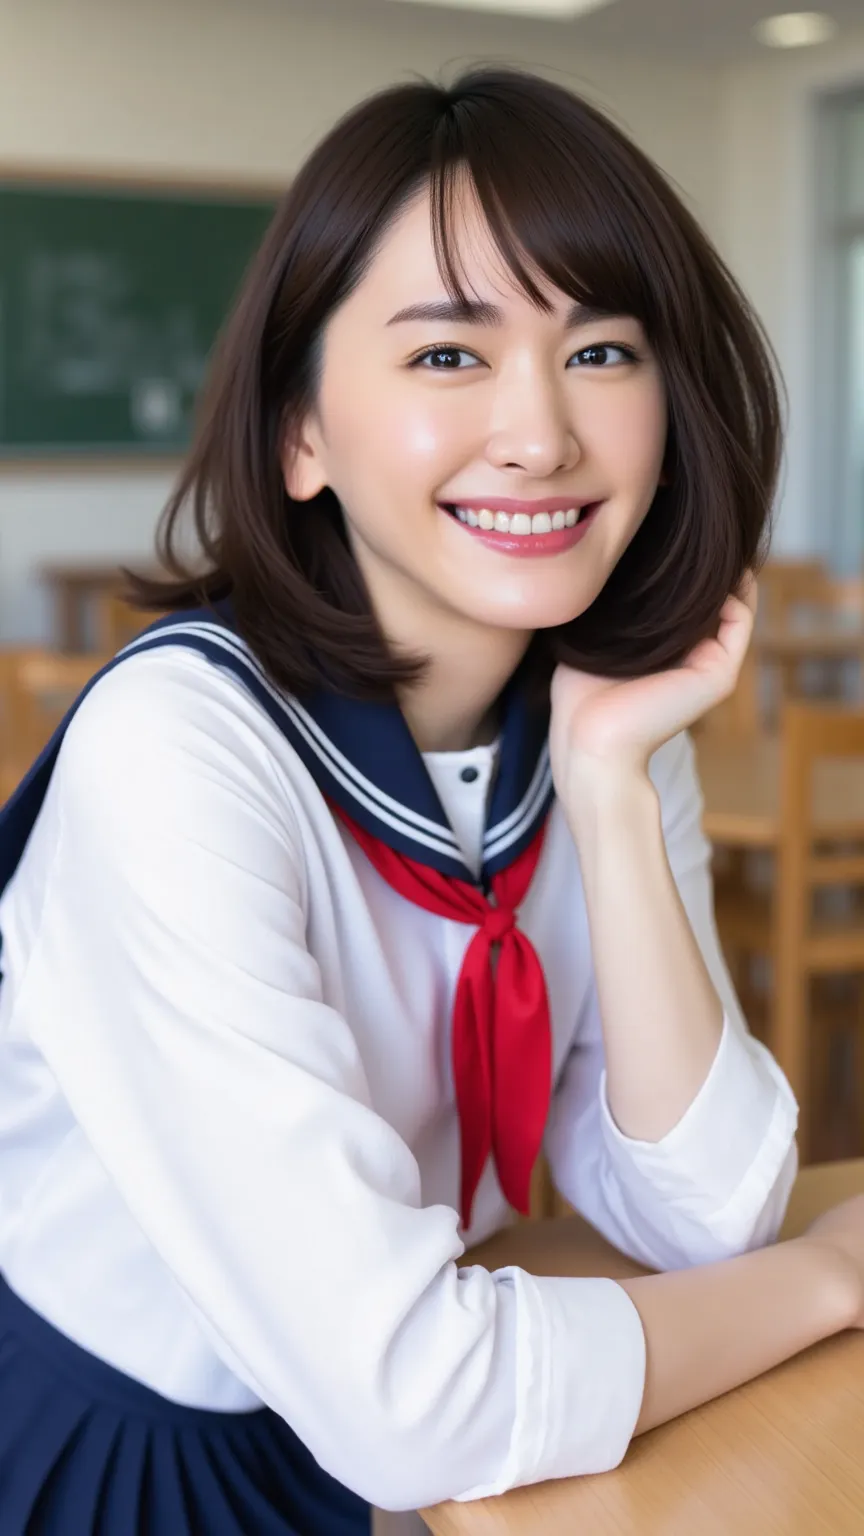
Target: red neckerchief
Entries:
(501, 1036)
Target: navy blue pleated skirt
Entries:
(87, 1451)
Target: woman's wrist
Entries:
(601, 791)
(841, 1287)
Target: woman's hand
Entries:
(842, 1230)
(598, 720)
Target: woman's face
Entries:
(431, 423)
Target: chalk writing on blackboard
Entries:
(85, 337)
(110, 303)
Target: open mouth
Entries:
(520, 524)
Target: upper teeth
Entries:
(518, 522)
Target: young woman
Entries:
(316, 927)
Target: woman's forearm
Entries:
(662, 1018)
(707, 1329)
(710, 1329)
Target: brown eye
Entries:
(603, 355)
(443, 359)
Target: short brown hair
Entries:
(565, 193)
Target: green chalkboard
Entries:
(110, 301)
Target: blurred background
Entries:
(141, 149)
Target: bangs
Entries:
(557, 204)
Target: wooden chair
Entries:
(790, 922)
(10, 729)
(37, 688)
(810, 633)
(785, 585)
(117, 622)
(846, 594)
(76, 589)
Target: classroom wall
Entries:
(765, 211)
(242, 88)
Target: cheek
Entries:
(630, 433)
(420, 437)
(394, 441)
(648, 433)
(428, 435)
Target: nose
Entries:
(532, 428)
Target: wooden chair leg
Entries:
(859, 1062)
(789, 1042)
(826, 1044)
(730, 874)
(543, 1195)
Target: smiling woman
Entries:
(350, 888)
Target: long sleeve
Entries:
(170, 988)
(719, 1182)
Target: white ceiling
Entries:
(707, 29)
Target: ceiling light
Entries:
(561, 10)
(795, 29)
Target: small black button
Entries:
(468, 775)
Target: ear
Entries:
(303, 468)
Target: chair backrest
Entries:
(814, 737)
(846, 595)
(117, 622)
(812, 732)
(785, 585)
(37, 688)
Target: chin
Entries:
(511, 621)
(542, 610)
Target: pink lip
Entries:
(506, 504)
(532, 545)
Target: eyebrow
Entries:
(478, 312)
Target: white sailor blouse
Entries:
(229, 1139)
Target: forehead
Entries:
(405, 266)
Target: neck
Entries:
(454, 706)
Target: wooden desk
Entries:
(782, 1456)
(741, 785)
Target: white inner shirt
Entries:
(463, 782)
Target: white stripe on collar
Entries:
(508, 831)
(390, 811)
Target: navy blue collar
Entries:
(362, 755)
